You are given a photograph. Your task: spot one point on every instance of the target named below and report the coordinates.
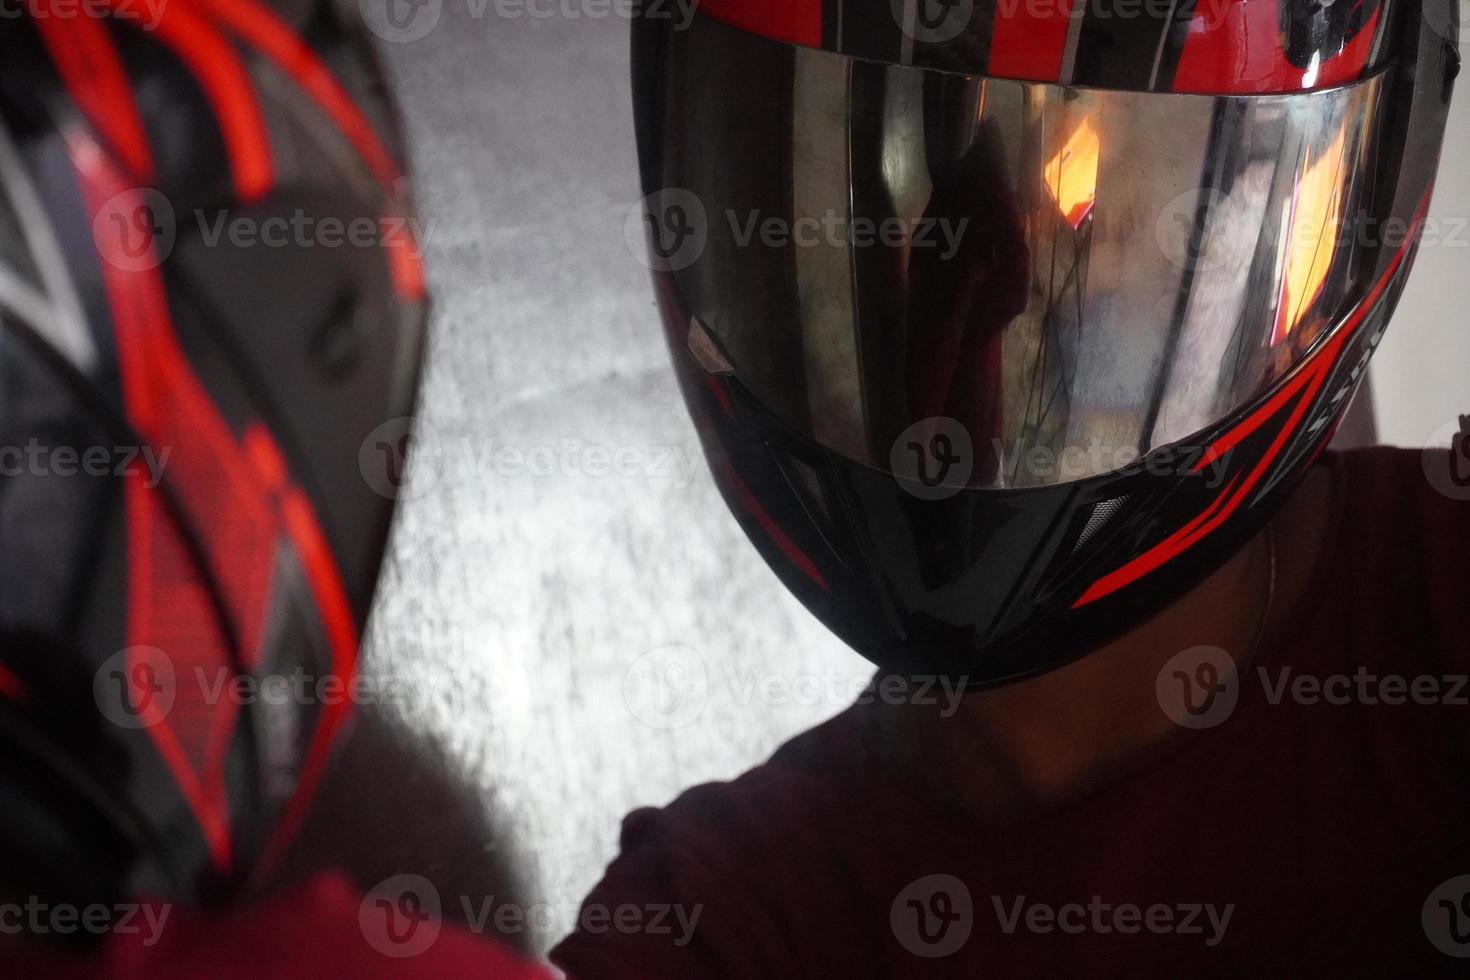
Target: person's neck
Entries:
(1034, 744)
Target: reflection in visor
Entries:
(1314, 221)
(1071, 175)
(1083, 276)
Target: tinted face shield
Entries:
(1038, 284)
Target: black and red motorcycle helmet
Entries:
(210, 298)
(1004, 323)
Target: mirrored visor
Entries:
(1061, 279)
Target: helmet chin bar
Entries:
(990, 586)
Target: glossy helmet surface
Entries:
(1004, 323)
(210, 297)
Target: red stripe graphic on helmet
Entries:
(720, 394)
(789, 548)
(263, 30)
(792, 21)
(92, 72)
(168, 606)
(1029, 39)
(246, 513)
(246, 510)
(1299, 393)
(89, 64)
(12, 688)
(227, 87)
(1225, 53)
(329, 595)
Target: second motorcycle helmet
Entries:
(211, 310)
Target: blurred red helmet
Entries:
(210, 299)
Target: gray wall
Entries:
(1421, 373)
(522, 594)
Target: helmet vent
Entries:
(1102, 512)
(706, 351)
(806, 484)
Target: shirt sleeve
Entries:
(673, 905)
(1443, 511)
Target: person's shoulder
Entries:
(721, 856)
(1408, 538)
(810, 778)
(1395, 492)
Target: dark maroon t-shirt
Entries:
(1297, 838)
(322, 928)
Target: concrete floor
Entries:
(573, 645)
